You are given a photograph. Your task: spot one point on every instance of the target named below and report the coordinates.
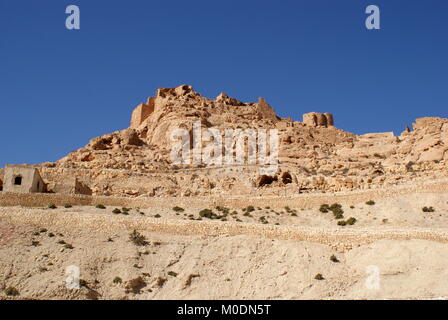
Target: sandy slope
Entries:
(250, 260)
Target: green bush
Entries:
(370, 203)
(351, 221)
(206, 213)
(100, 206)
(138, 239)
(338, 216)
(178, 209)
(342, 223)
(52, 206)
(83, 283)
(172, 273)
(11, 291)
(116, 211)
(161, 281)
(334, 259)
(117, 280)
(249, 209)
(319, 276)
(324, 208)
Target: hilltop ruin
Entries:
(314, 155)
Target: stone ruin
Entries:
(19, 179)
(315, 119)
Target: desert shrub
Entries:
(43, 230)
(116, 211)
(351, 221)
(334, 259)
(83, 283)
(370, 203)
(178, 209)
(190, 278)
(52, 206)
(335, 207)
(338, 216)
(160, 282)
(11, 291)
(324, 208)
(100, 206)
(352, 207)
(342, 223)
(67, 206)
(207, 213)
(35, 243)
(157, 215)
(249, 209)
(125, 209)
(319, 276)
(428, 209)
(117, 280)
(51, 234)
(137, 238)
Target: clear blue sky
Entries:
(60, 88)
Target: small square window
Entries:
(18, 181)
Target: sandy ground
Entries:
(394, 250)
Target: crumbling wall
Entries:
(142, 112)
(265, 111)
(71, 186)
(315, 119)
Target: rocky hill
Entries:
(314, 155)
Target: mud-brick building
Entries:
(21, 179)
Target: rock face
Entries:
(314, 156)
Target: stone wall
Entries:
(315, 119)
(142, 112)
(305, 201)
